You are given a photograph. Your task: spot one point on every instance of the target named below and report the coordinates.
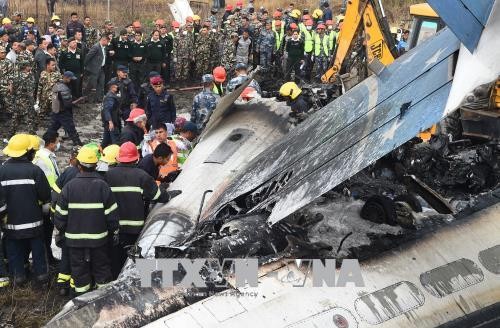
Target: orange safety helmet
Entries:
(176, 24)
(277, 14)
(219, 74)
(293, 26)
(248, 93)
(229, 8)
(135, 114)
(189, 19)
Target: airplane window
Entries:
(427, 29)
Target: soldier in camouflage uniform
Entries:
(48, 78)
(228, 58)
(26, 55)
(266, 43)
(202, 52)
(183, 54)
(91, 33)
(256, 27)
(23, 116)
(204, 103)
(230, 26)
(6, 74)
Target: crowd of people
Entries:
(99, 203)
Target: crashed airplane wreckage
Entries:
(247, 177)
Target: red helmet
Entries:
(135, 114)
(189, 19)
(239, 4)
(219, 74)
(293, 26)
(156, 80)
(277, 14)
(248, 93)
(308, 22)
(128, 153)
(176, 24)
(229, 8)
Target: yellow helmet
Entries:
(6, 21)
(196, 17)
(317, 13)
(18, 145)
(34, 142)
(87, 155)
(110, 153)
(290, 89)
(55, 17)
(30, 20)
(295, 13)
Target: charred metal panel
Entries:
(389, 302)
(490, 259)
(229, 146)
(451, 277)
(354, 130)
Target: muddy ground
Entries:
(33, 306)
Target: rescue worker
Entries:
(241, 76)
(332, 35)
(321, 50)
(126, 90)
(108, 159)
(87, 214)
(308, 37)
(62, 108)
(219, 74)
(294, 98)
(317, 16)
(25, 188)
(279, 36)
(132, 187)
(160, 106)
(46, 159)
(204, 103)
(135, 127)
(266, 44)
(110, 115)
(30, 27)
(4, 275)
(160, 157)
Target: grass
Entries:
(125, 11)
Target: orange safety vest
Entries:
(173, 164)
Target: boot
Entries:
(76, 141)
(20, 280)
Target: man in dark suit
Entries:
(94, 68)
(41, 56)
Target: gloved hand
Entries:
(116, 237)
(173, 193)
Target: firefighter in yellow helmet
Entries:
(25, 187)
(292, 94)
(87, 214)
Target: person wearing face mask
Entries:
(308, 37)
(55, 21)
(332, 35)
(46, 159)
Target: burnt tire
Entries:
(411, 200)
(379, 209)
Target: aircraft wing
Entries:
(353, 131)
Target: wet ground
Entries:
(33, 306)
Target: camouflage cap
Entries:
(23, 63)
(108, 22)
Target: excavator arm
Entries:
(362, 16)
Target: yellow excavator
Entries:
(365, 40)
